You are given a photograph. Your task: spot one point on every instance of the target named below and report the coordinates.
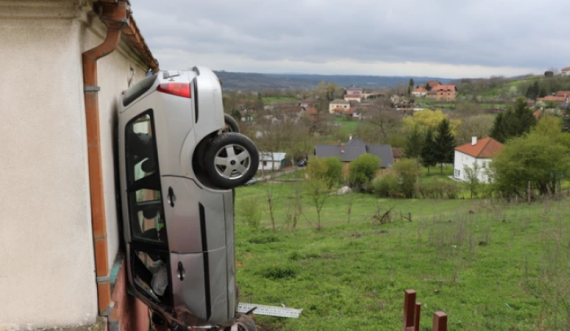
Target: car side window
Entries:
(143, 181)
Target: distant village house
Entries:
(478, 152)
(445, 92)
(353, 149)
(338, 104)
(420, 92)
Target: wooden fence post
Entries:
(409, 309)
(417, 315)
(439, 321)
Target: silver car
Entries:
(180, 157)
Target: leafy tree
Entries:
(533, 91)
(517, 120)
(327, 169)
(363, 169)
(428, 150)
(541, 158)
(429, 119)
(317, 168)
(333, 174)
(408, 172)
(414, 143)
(444, 144)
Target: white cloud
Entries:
(443, 38)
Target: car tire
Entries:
(231, 160)
(231, 124)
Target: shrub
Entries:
(408, 172)
(334, 171)
(439, 189)
(327, 169)
(386, 185)
(363, 170)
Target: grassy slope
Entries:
(481, 269)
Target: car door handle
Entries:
(181, 273)
(171, 197)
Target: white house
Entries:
(338, 104)
(420, 92)
(353, 97)
(271, 161)
(66, 63)
(565, 71)
(479, 153)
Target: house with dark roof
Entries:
(478, 153)
(353, 149)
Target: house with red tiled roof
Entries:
(559, 100)
(432, 83)
(445, 92)
(565, 71)
(419, 92)
(478, 153)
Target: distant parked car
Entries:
(180, 158)
(302, 163)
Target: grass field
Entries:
(349, 126)
(269, 100)
(489, 266)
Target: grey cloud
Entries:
(523, 33)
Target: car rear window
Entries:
(138, 89)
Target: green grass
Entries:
(269, 100)
(347, 125)
(485, 270)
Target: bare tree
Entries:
(317, 190)
(384, 117)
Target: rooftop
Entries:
(484, 148)
(339, 101)
(354, 148)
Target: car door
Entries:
(147, 239)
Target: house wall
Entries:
(419, 94)
(270, 165)
(462, 160)
(332, 106)
(446, 95)
(48, 260)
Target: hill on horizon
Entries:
(257, 81)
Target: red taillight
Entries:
(179, 89)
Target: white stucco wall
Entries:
(47, 277)
(269, 165)
(462, 160)
(114, 71)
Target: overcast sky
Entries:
(438, 38)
